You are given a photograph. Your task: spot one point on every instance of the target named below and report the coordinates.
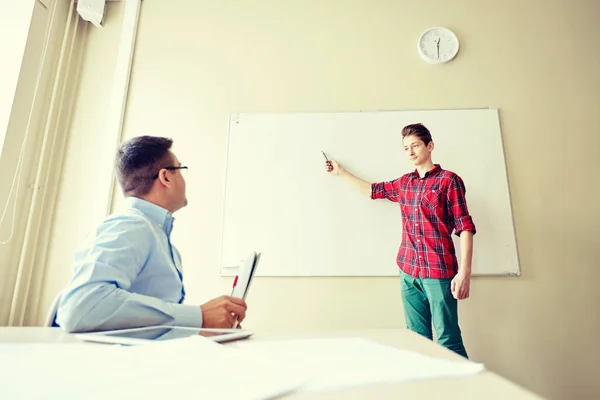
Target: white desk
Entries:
(486, 385)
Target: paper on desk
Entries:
(338, 363)
(192, 367)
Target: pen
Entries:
(326, 159)
(235, 323)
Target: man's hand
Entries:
(221, 312)
(461, 285)
(333, 167)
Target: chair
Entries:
(52, 312)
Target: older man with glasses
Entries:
(129, 274)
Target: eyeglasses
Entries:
(181, 167)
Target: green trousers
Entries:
(428, 301)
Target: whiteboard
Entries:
(279, 199)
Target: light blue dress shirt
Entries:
(128, 275)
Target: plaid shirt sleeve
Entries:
(461, 219)
(386, 190)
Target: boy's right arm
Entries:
(377, 190)
(335, 168)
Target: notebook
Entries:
(242, 281)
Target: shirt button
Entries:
(418, 241)
(420, 257)
(416, 224)
(160, 225)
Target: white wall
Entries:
(198, 61)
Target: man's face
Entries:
(417, 152)
(178, 193)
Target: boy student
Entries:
(130, 274)
(432, 203)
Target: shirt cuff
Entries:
(464, 223)
(187, 315)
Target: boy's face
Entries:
(417, 152)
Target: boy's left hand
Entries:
(460, 286)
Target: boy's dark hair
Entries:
(138, 160)
(418, 130)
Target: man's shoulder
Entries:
(130, 215)
(124, 222)
(448, 174)
(390, 181)
(406, 178)
(450, 180)
(120, 234)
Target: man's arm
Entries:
(461, 219)
(363, 186)
(378, 190)
(466, 252)
(98, 297)
(461, 284)
(465, 229)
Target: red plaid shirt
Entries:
(431, 207)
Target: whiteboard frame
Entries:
(231, 270)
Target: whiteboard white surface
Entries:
(279, 199)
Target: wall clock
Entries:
(438, 45)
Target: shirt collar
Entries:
(158, 215)
(436, 168)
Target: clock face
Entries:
(438, 45)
